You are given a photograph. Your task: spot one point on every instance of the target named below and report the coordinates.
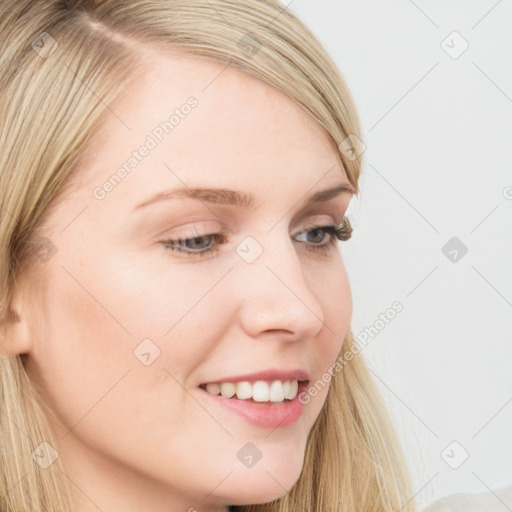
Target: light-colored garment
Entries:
(498, 500)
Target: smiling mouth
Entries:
(262, 392)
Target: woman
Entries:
(174, 178)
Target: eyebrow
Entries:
(229, 197)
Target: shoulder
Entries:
(499, 500)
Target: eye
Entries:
(205, 245)
(341, 232)
(195, 246)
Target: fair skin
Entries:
(146, 437)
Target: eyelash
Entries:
(341, 232)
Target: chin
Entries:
(264, 486)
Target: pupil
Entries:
(194, 241)
(318, 230)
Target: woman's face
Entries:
(130, 329)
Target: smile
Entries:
(259, 391)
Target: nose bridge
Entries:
(273, 290)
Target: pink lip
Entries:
(264, 414)
(266, 375)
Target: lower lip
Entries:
(264, 414)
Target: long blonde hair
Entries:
(62, 63)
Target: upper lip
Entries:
(266, 375)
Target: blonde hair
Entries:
(62, 63)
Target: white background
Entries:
(438, 137)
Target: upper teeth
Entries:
(260, 391)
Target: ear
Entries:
(15, 335)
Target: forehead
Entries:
(239, 133)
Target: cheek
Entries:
(95, 316)
(111, 322)
(84, 347)
(335, 296)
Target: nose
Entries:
(274, 293)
